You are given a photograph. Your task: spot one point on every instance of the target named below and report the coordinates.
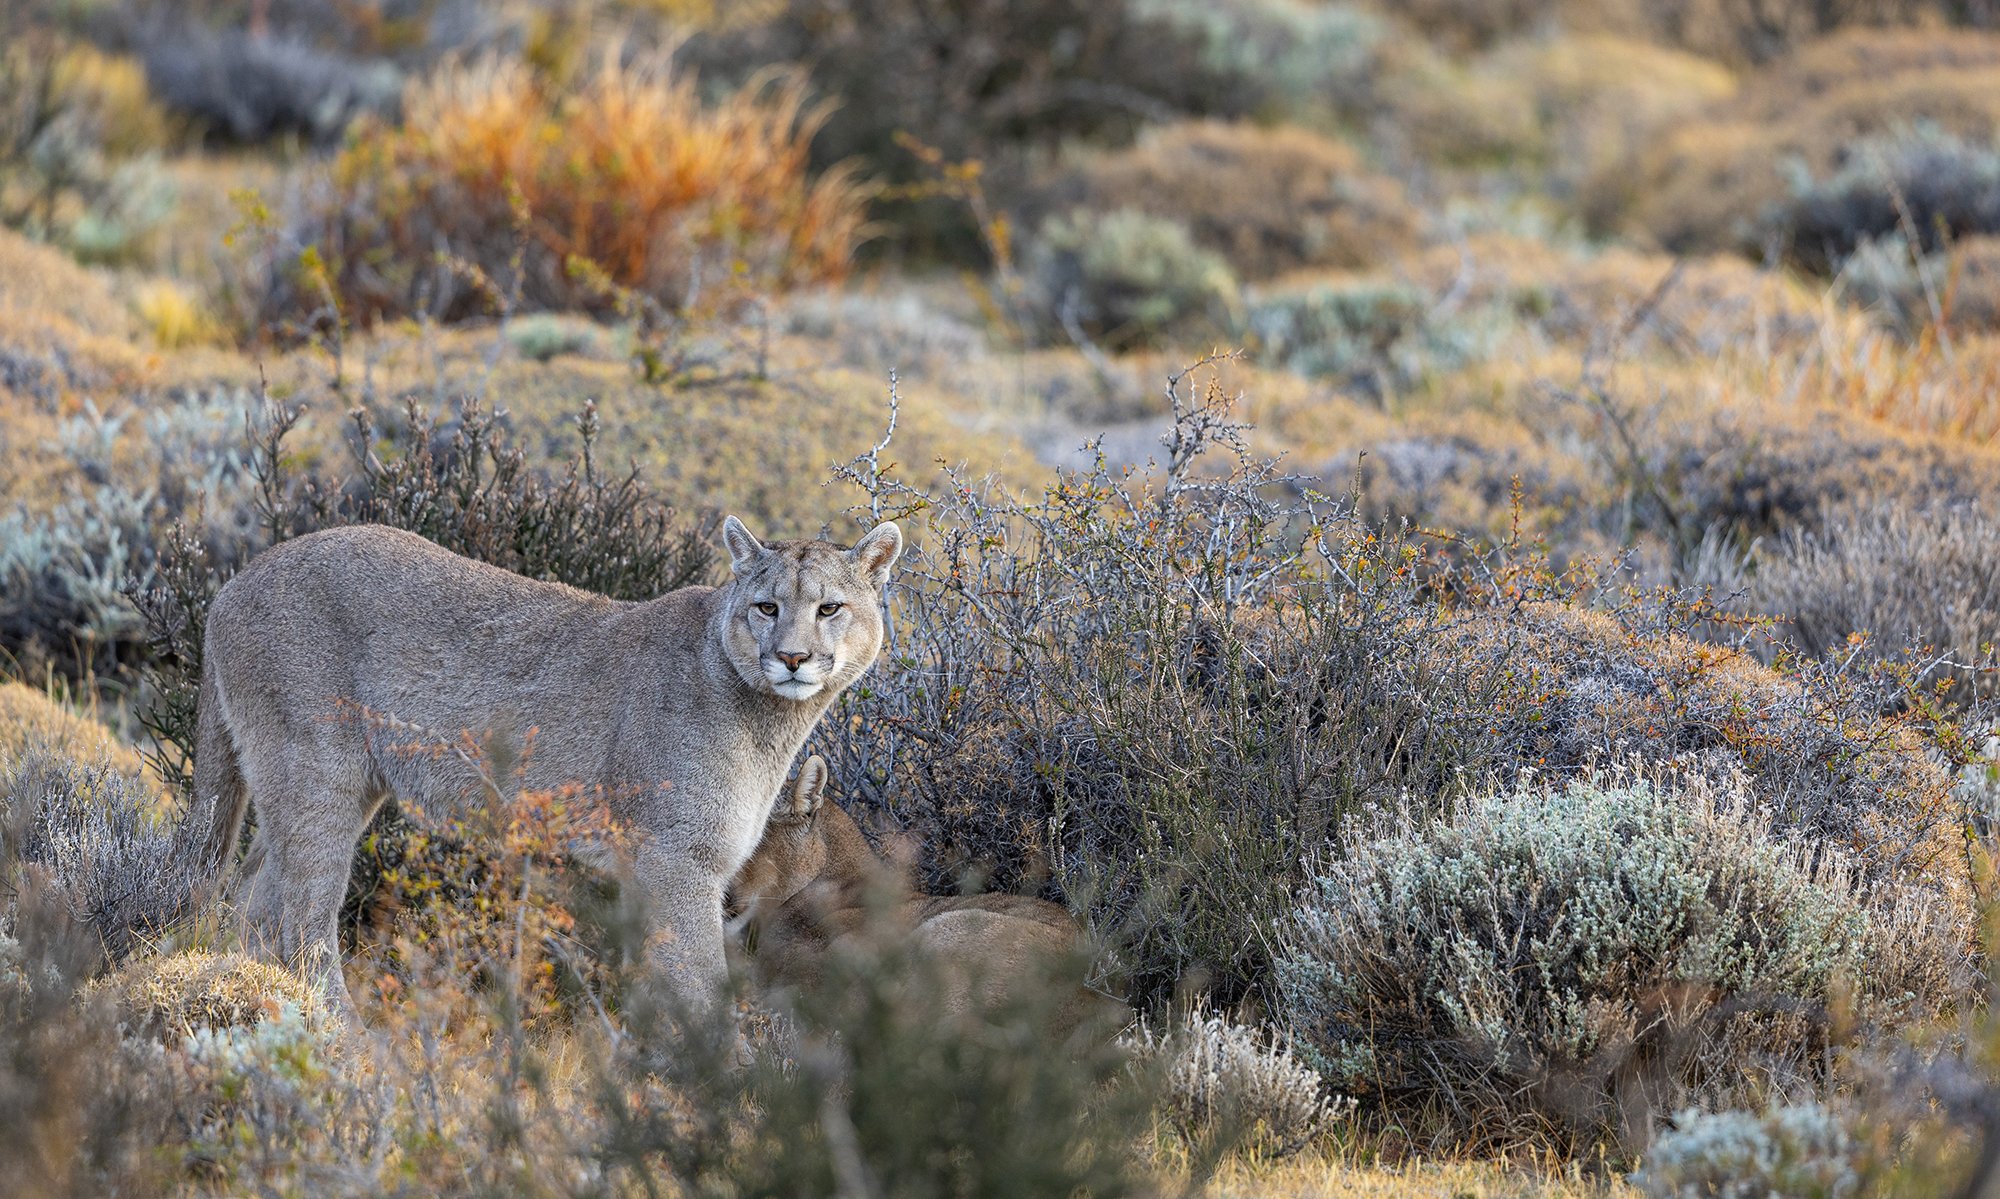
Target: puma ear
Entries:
(744, 550)
(876, 553)
(809, 789)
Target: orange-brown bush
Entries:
(1268, 200)
(628, 181)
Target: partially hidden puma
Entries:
(686, 711)
(815, 886)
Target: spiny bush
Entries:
(1267, 200)
(1157, 696)
(1568, 961)
(121, 867)
(1800, 1151)
(1920, 576)
(1125, 278)
(560, 199)
(1238, 1085)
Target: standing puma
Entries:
(815, 882)
(685, 710)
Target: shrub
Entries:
(1574, 958)
(1125, 278)
(1908, 576)
(1925, 183)
(971, 81)
(1800, 1151)
(1239, 1085)
(1278, 57)
(244, 86)
(1957, 287)
(565, 200)
(72, 122)
(1267, 200)
(1378, 337)
(1158, 700)
(543, 336)
(119, 867)
(1709, 183)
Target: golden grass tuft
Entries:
(629, 172)
(175, 318)
(173, 997)
(31, 720)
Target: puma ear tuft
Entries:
(744, 550)
(876, 553)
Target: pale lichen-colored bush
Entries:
(1125, 278)
(1800, 1151)
(118, 865)
(1298, 57)
(1907, 575)
(1921, 182)
(1237, 1082)
(1570, 961)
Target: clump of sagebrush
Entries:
(1125, 278)
(242, 86)
(1378, 337)
(121, 867)
(1156, 696)
(1903, 575)
(1237, 1086)
(1800, 1151)
(1572, 961)
(462, 482)
(1920, 182)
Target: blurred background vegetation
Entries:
(1591, 462)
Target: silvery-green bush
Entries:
(1570, 961)
(1800, 1151)
(1126, 278)
(1238, 1082)
(1381, 336)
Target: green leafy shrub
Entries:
(1567, 960)
(1800, 1151)
(1126, 278)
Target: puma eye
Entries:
(768, 608)
(828, 609)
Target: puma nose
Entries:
(793, 661)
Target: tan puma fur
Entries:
(686, 710)
(814, 882)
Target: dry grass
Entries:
(1706, 183)
(1309, 1176)
(1268, 200)
(630, 173)
(30, 720)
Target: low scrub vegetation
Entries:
(498, 190)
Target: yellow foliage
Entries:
(175, 318)
(112, 89)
